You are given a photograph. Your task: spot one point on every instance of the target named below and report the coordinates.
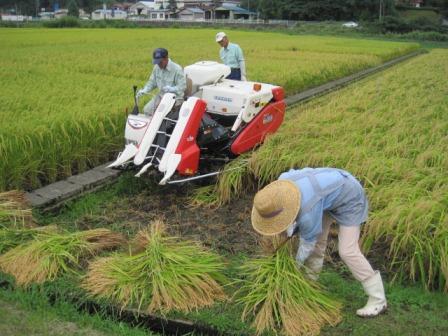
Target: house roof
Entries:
(146, 3)
(108, 11)
(193, 10)
(235, 9)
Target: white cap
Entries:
(220, 36)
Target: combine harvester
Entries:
(219, 120)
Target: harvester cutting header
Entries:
(218, 119)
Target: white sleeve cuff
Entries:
(305, 249)
(291, 229)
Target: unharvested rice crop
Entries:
(54, 254)
(14, 210)
(391, 132)
(278, 297)
(163, 274)
(64, 92)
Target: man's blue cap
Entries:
(158, 55)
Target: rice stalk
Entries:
(277, 297)
(54, 254)
(204, 197)
(14, 210)
(10, 238)
(161, 274)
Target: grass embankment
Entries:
(30, 313)
(390, 132)
(64, 92)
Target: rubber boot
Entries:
(313, 267)
(377, 303)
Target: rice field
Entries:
(64, 93)
(390, 131)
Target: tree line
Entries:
(321, 10)
(310, 10)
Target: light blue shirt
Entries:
(232, 56)
(172, 76)
(337, 192)
(324, 189)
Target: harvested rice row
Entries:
(163, 273)
(53, 254)
(14, 210)
(277, 296)
(10, 238)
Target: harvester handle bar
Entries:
(135, 109)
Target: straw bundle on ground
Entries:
(279, 298)
(14, 209)
(162, 274)
(54, 254)
(10, 238)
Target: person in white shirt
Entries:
(232, 56)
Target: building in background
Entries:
(109, 14)
(191, 14)
(143, 8)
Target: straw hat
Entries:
(275, 207)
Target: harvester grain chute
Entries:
(220, 119)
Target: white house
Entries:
(159, 14)
(46, 15)
(19, 18)
(191, 14)
(109, 14)
(60, 13)
(143, 8)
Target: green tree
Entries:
(172, 6)
(73, 9)
(269, 9)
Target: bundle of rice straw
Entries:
(10, 238)
(51, 255)
(14, 210)
(162, 274)
(278, 297)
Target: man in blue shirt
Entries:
(306, 202)
(232, 56)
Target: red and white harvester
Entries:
(219, 119)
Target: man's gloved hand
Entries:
(140, 93)
(305, 249)
(243, 78)
(170, 89)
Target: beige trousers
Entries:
(151, 107)
(348, 248)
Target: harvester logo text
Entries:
(224, 99)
